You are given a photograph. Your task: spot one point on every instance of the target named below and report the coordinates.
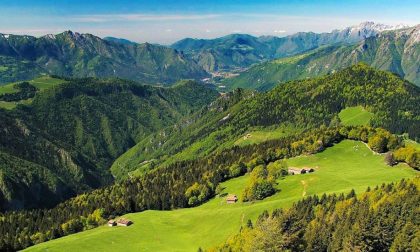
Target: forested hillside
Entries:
(396, 51)
(301, 105)
(381, 219)
(64, 142)
(71, 54)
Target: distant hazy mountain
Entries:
(80, 55)
(239, 50)
(397, 51)
(120, 40)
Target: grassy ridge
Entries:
(261, 135)
(41, 83)
(347, 165)
(354, 116)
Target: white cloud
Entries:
(279, 31)
(34, 32)
(141, 17)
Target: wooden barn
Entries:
(112, 223)
(296, 170)
(124, 222)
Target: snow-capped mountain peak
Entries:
(6, 36)
(367, 29)
(369, 25)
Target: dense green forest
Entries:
(384, 218)
(394, 51)
(173, 186)
(64, 142)
(301, 104)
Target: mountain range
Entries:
(397, 51)
(70, 54)
(242, 50)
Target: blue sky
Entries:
(166, 21)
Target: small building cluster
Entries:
(247, 136)
(120, 222)
(295, 170)
(231, 199)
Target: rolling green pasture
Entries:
(348, 165)
(353, 116)
(42, 83)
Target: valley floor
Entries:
(348, 165)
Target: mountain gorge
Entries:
(396, 51)
(71, 54)
(64, 141)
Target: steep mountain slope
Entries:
(240, 50)
(72, 54)
(64, 141)
(396, 51)
(300, 105)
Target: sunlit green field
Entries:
(354, 116)
(42, 83)
(259, 136)
(347, 165)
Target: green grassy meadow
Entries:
(354, 116)
(259, 136)
(348, 165)
(42, 83)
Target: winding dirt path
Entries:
(304, 187)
